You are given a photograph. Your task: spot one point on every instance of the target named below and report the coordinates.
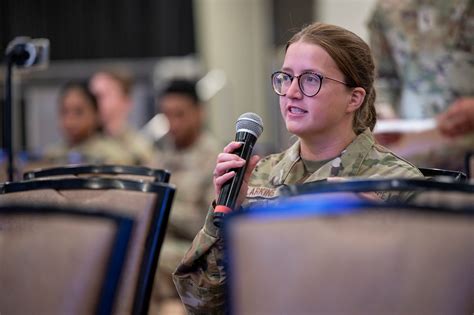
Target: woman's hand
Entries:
(458, 119)
(226, 161)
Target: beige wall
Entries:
(351, 14)
(233, 36)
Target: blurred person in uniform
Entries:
(113, 92)
(185, 151)
(326, 94)
(424, 54)
(84, 141)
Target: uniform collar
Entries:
(346, 164)
(356, 153)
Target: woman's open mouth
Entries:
(296, 110)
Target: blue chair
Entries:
(332, 252)
(436, 172)
(61, 260)
(469, 161)
(157, 175)
(149, 203)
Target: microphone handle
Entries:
(230, 190)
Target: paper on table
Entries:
(404, 125)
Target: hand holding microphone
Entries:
(235, 165)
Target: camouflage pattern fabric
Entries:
(191, 171)
(200, 277)
(98, 149)
(424, 55)
(136, 144)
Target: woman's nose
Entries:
(294, 90)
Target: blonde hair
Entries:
(353, 57)
(121, 77)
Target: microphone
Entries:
(249, 127)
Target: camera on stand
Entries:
(25, 52)
(22, 52)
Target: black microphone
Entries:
(248, 128)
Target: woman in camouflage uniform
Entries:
(327, 101)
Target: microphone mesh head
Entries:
(250, 122)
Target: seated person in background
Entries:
(424, 54)
(327, 101)
(185, 152)
(113, 92)
(80, 124)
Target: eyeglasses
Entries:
(309, 82)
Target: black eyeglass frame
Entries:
(319, 75)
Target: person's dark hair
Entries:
(353, 57)
(182, 87)
(82, 86)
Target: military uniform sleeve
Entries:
(388, 82)
(189, 207)
(200, 276)
(385, 164)
(388, 166)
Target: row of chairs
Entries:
(102, 263)
(133, 204)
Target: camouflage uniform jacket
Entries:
(138, 145)
(424, 53)
(191, 171)
(98, 149)
(200, 277)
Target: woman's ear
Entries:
(356, 99)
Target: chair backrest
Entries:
(149, 203)
(436, 172)
(121, 171)
(60, 260)
(451, 194)
(313, 256)
(469, 161)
